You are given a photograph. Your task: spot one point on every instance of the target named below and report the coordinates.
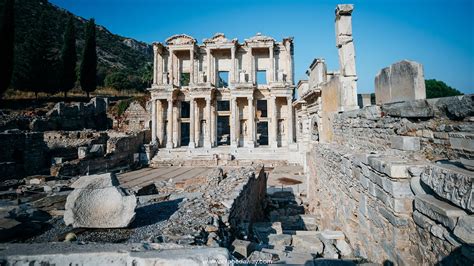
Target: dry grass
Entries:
(12, 94)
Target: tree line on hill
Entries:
(38, 53)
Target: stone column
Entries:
(207, 136)
(169, 134)
(274, 123)
(233, 65)
(208, 51)
(155, 64)
(251, 123)
(251, 67)
(176, 129)
(160, 129)
(347, 67)
(234, 133)
(214, 124)
(289, 131)
(191, 67)
(171, 67)
(153, 121)
(192, 122)
(272, 65)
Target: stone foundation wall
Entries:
(22, 154)
(386, 181)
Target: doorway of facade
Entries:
(184, 134)
(223, 130)
(262, 133)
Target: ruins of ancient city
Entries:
(232, 161)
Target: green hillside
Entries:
(116, 54)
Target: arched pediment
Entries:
(180, 39)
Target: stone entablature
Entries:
(206, 95)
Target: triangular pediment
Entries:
(180, 39)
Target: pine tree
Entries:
(88, 75)
(7, 34)
(68, 58)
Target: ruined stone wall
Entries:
(383, 181)
(23, 153)
(121, 151)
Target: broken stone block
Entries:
(98, 202)
(308, 243)
(310, 222)
(344, 248)
(263, 256)
(82, 152)
(464, 230)
(437, 210)
(279, 241)
(405, 143)
(402, 81)
(333, 235)
(409, 109)
(242, 247)
(97, 150)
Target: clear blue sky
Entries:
(437, 33)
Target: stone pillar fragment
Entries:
(169, 134)
(192, 118)
(347, 67)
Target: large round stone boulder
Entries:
(97, 201)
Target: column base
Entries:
(233, 145)
(169, 145)
(274, 144)
(192, 145)
(249, 144)
(207, 145)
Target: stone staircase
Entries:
(292, 237)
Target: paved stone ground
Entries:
(147, 176)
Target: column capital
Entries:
(208, 98)
(250, 98)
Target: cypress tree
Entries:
(68, 58)
(88, 75)
(7, 34)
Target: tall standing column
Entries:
(289, 131)
(234, 120)
(155, 64)
(272, 65)
(176, 129)
(251, 123)
(191, 67)
(274, 125)
(171, 67)
(159, 126)
(207, 136)
(251, 66)
(208, 51)
(192, 118)
(153, 121)
(169, 133)
(232, 65)
(347, 66)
